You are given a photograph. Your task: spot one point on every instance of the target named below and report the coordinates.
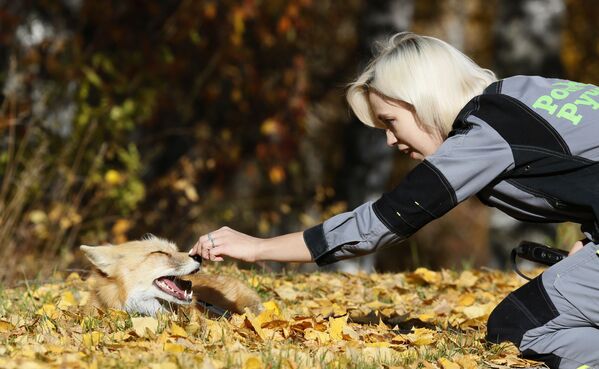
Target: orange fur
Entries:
(125, 277)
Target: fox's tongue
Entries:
(170, 287)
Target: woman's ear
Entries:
(102, 257)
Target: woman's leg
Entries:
(576, 347)
(554, 317)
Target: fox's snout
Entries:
(197, 258)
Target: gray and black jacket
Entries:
(528, 146)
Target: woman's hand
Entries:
(577, 246)
(227, 242)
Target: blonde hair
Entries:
(435, 78)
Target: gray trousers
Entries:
(573, 287)
(555, 317)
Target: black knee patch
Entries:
(550, 360)
(524, 309)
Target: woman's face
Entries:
(398, 119)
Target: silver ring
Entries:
(211, 239)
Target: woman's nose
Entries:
(391, 139)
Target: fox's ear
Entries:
(101, 256)
(148, 236)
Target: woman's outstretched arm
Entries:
(229, 242)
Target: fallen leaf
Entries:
(174, 348)
(176, 330)
(253, 362)
(143, 324)
(446, 364)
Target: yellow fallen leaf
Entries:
(176, 330)
(115, 314)
(446, 364)
(163, 337)
(174, 348)
(272, 306)
(73, 277)
(427, 317)
(421, 337)
(313, 335)
(215, 330)
(477, 311)
(120, 336)
(6, 326)
(67, 299)
(287, 293)
(467, 362)
(467, 299)
(55, 349)
(350, 332)
(467, 279)
(428, 276)
(49, 310)
(253, 362)
(141, 324)
(336, 326)
(256, 323)
(92, 339)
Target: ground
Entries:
(422, 319)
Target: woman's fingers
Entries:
(215, 253)
(575, 248)
(213, 245)
(197, 248)
(210, 243)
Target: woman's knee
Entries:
(522, 310)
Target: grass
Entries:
(45, 324)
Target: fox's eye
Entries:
(160, 252)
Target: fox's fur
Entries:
(132, 277)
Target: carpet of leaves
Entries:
(422, 319)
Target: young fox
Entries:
(149, 275)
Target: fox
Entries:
(150, 276)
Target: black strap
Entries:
(515, 266)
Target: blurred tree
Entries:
(528, 37)
(171, 117)
(367, 159)
(580, 46)
(527, 41)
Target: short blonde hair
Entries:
(435, 78)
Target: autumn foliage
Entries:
(172, 117)
(423, 319)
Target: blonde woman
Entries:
(526, 145)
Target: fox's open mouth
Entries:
(175, 287)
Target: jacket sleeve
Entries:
(466, 162)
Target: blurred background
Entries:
(176, 117)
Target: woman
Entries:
(526, 145)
